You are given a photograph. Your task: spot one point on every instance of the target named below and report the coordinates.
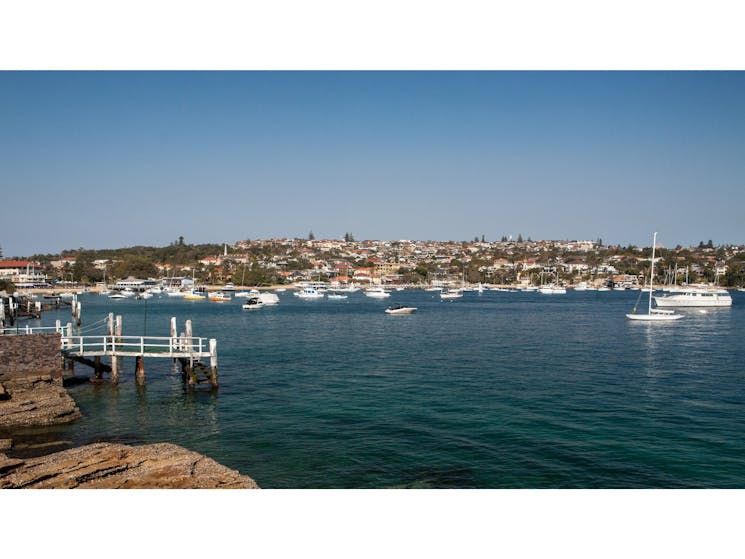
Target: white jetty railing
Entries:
(147, 346)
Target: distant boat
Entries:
(451, 294)
(193, 296)
(218, 297)
(117, 296)
(400, 309)
(229, 287)
(551, 289)
(696, 297)
(377, 292)
(309, 293)
(653, 314)
(337, 296)
(253, 303)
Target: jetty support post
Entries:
(114, 369)
(110, 324)
(115, 360)
(98, 372)
(213, 363)
(172, 343)
(140, 370)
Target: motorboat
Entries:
(117, 296)
(451, 294)
(400, 309)
(229, 287)
(337, 296)
(269, 298)
(218, 297)
(377, 292)
(309, 293)
(194, 296)
(551, 289)
(695, 297)
(253, 303)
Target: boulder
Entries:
(118, 466)
(36, 401)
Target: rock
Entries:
(36, 401)
(6, 444)
(3, 393)
(114, 466)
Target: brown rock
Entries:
(36, 402)
(114, 466)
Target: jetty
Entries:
(196, 355)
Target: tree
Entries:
(710, 244)
(180, 240)
(483, 239)
(1, 251)
(7, 286)
(476, 239)
(311, 236)
(519, 238)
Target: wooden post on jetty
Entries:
(75, 306)
(174, 335)
(192, 378)
(140, 370)
(115, 361)
(213, 362)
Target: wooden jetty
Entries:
(184, 348)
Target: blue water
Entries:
(499, 390)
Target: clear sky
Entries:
(114, 159)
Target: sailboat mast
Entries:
(651, 272)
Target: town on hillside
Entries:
(508, 262)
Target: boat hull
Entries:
(654, 317)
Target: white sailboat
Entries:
(653, 314)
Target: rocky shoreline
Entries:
(118, 466)
(40, 400)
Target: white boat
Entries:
(603, 288)
(308, 293)
(194, 296)
(337, 296)
(280, 290)
(581, 286)
(269, 298)
(377, 292)
(400, 309)
(695, 297)
(253, 303)
(117, 296)
(229, 287)
(551, 289)
(433, 288)
(144, 295)
(653, 314)
(218, 297)
(451, 294)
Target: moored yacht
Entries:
(695, 297)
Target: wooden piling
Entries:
(98, 372)
(213, 362)
(114, 370)
(140, 370)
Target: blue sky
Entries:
(113, 159)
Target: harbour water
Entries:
(493, 390)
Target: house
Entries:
(23, 273)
